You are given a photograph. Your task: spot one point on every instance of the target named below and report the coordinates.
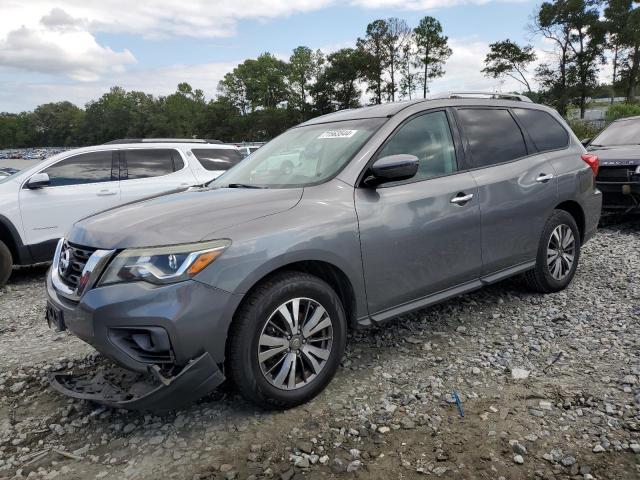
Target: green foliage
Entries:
(432, 50)
(257, 100)
(584, 129)
(507, 58)
(622, 110)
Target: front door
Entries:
(421, 236)
(80, 185)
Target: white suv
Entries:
(39, 204)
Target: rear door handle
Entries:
(461, 198)
(106, 193)
(544, 177)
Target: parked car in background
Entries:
(358, 216)
(246, 150)
(39, 204)
(7, 171)
(618, 148)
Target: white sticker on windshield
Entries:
(338, 134)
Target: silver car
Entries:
(258, 276)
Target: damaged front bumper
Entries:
(117, 387)
(167, 342)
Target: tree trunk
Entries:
(615, 71)
(633, 73)
(424, 85)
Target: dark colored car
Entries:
(618, 148)
(346, 220)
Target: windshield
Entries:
(623, 132)
(301, 156)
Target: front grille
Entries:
(72, 262)
(617, 174)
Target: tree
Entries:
(554, 79)
(622, 20)
(432, 50)
(397, 38)
(507, 58)
(375, 49)
(345, 68)
(254, 84)
(57, 124)
(304, 68)
(575, 27)
(409, 79)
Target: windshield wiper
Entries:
(243, 185)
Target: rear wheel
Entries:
(6, 262)
(558, 254)
(286, 341)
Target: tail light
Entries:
(593, 161)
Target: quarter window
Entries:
(217, 158)
(150, 163)
(493, 136)
(545, 131)
(93, 167)
(428, 137)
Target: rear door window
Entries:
(217, 158)
(140, 163)
(92, 167)
(492, 136)
(544, 130)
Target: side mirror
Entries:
(392, 168)
(585, 142)
(39, 180)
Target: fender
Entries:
(22, 254)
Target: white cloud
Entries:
(192, 18)
(67, 51)
(18, 96)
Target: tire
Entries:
(259, 319)
(6, 263)
(546, 277)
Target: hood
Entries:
(180, 217)
(617, 156)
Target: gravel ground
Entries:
(549, 385)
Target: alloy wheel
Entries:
(561, 251)
(295, 343)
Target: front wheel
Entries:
(558, 254)
(286, 341)
(6, 263)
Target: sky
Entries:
(77, 49)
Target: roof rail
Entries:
(489, 95)
(160, 140)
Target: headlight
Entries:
(160, 265)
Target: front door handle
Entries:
(106, 193)
(544, 177)
(461, 198)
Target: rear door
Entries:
(516, 185)
(420, 236)
(80, 185)
(145, 172)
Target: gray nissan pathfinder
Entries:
(346, 220)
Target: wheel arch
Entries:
(574, 209)
(334, 276)
(9, 235)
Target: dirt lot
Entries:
(550, 387)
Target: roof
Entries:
(160, 140)
(637, 117)
(392, 108)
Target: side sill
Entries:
(443, 295)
